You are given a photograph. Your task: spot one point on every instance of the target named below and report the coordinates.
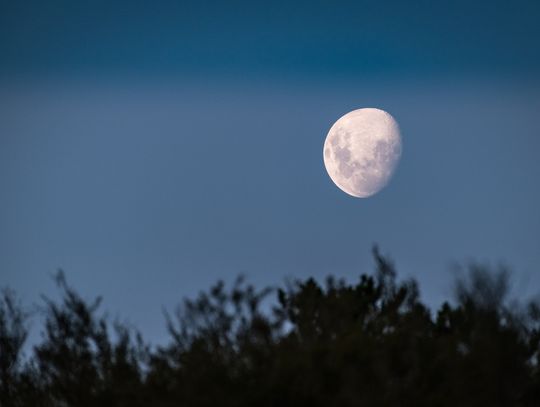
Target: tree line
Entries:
(369, 343)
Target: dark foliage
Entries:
(372, 343)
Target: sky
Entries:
(149, 149)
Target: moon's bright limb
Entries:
(362, 150)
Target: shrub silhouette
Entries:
(370, 343)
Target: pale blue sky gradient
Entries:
(151, 150)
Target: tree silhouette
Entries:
(13, 334)
(370, 343)
(77, 363)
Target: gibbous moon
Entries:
(362, 150)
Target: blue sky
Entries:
(256, 39)
(151, 149)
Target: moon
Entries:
(362, 150)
